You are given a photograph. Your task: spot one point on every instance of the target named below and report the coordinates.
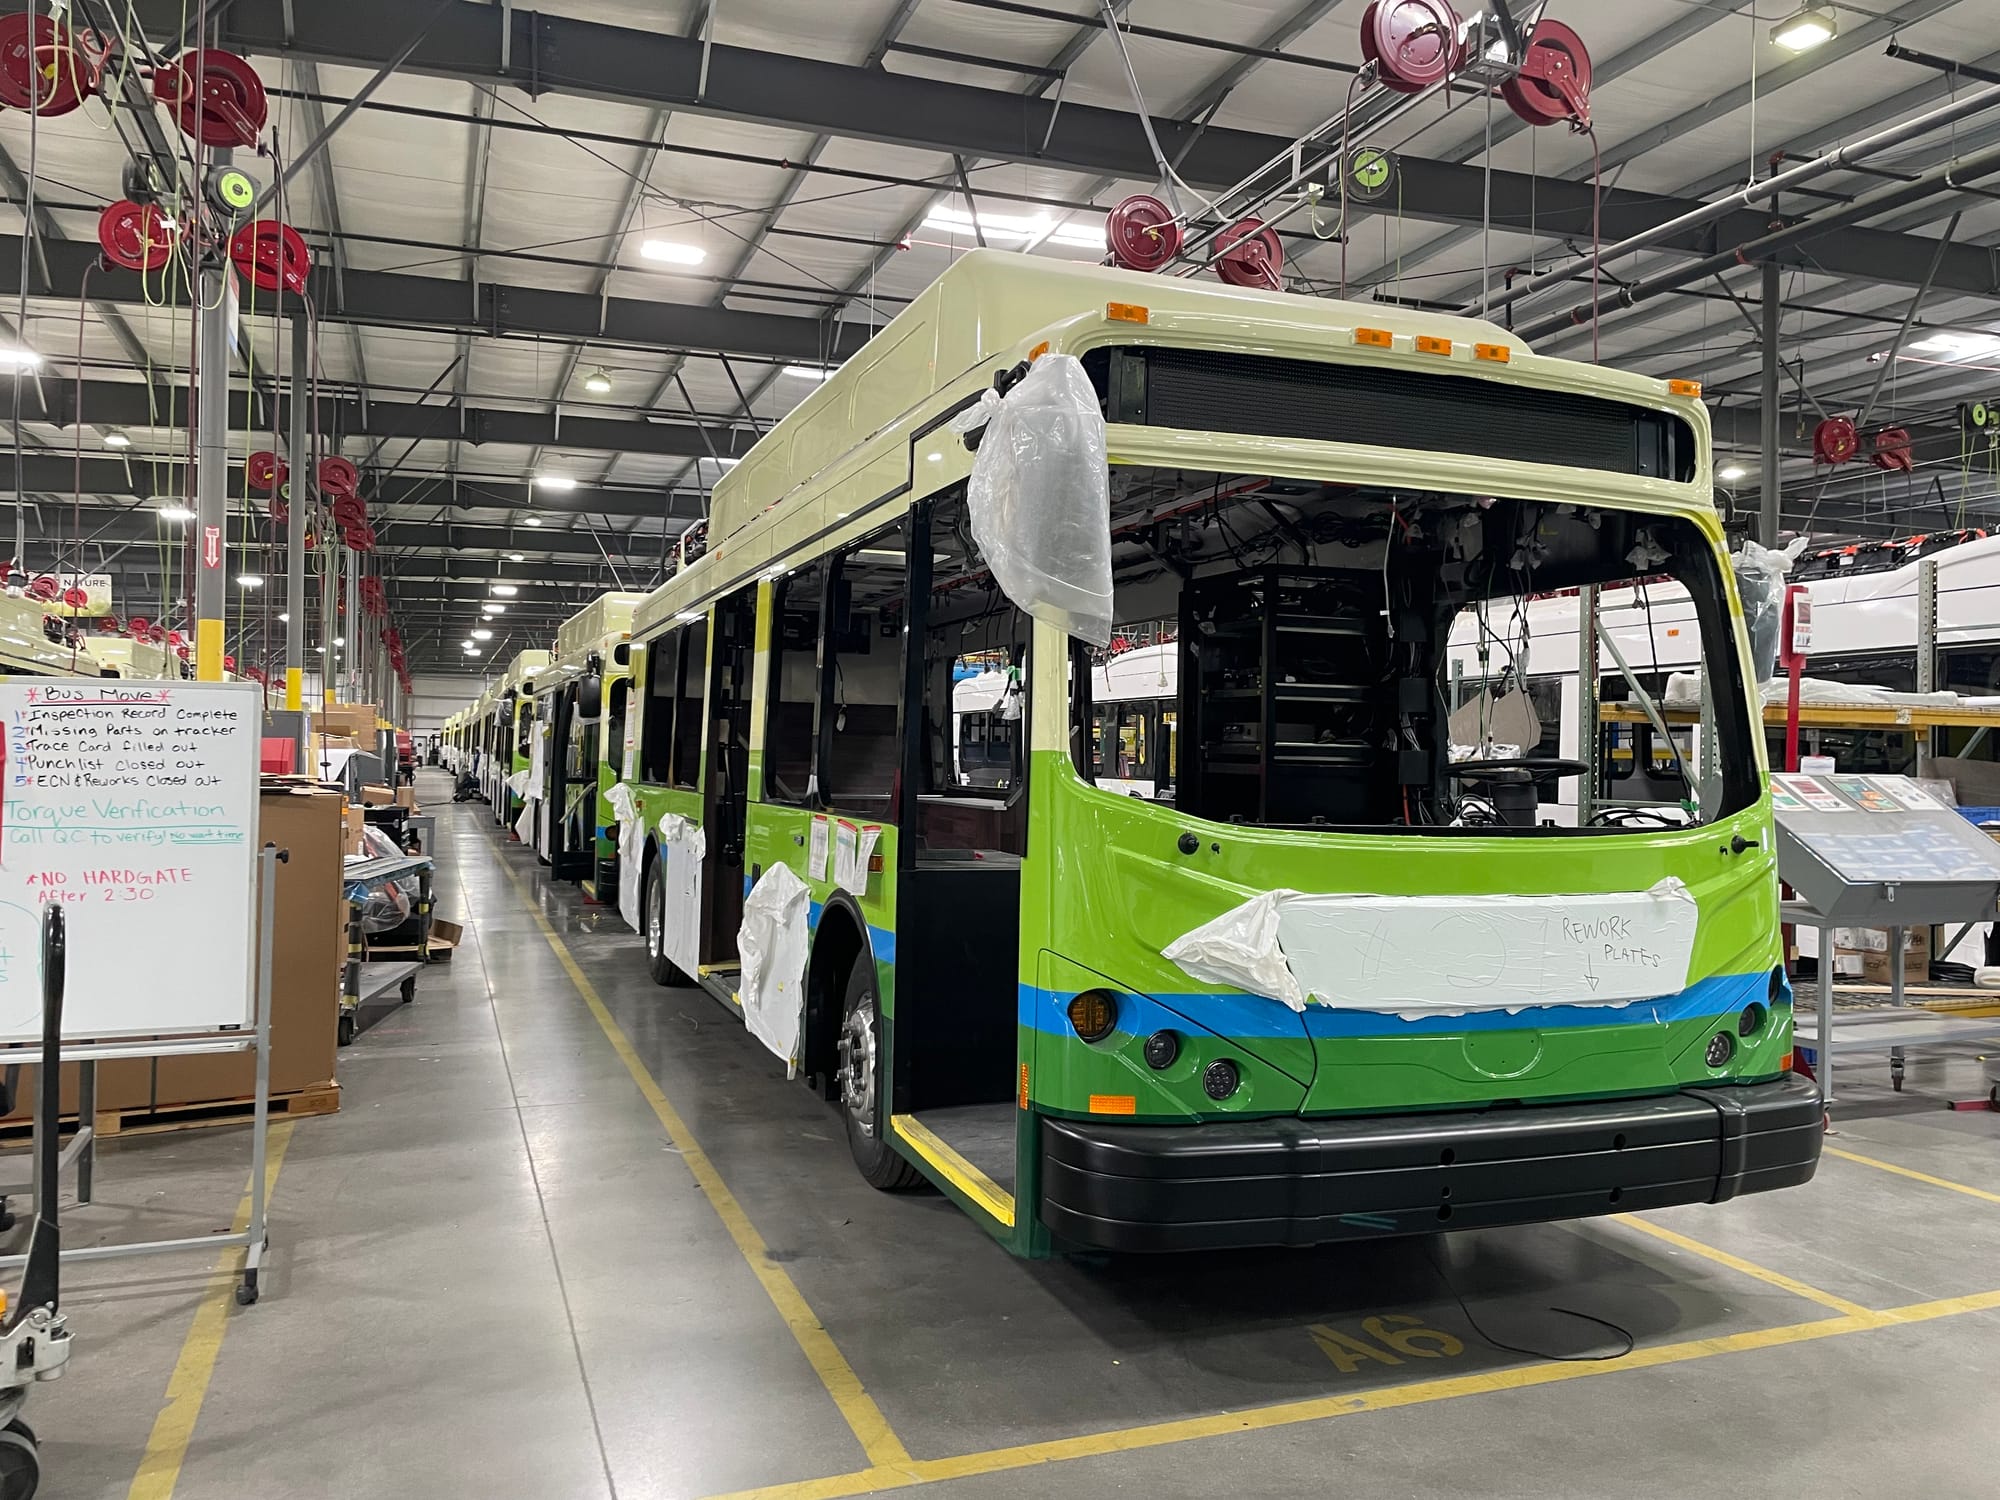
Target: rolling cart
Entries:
(367, 980)
(34, 1343)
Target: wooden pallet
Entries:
(320, 1099)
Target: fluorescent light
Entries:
(598, 382)
(505, 590)
(1808, 28)
(517, 557)
(117, 439)
(340, 640)
(493, 609)
(322, 650)
(284, 619)
(806, 372)
(250, 580)
(176, 513)
(1016, 229)
(1730, 473)
(1959, 345)
(19, 359)
(555, 482)
(482, 635)
(673, 252)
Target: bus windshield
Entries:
(1328, 655)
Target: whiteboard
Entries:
(135, 805)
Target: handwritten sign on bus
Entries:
(135, 805)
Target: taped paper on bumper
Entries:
(772, 943)
(631, 853)
(1448, 955)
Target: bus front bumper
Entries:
(1235, 1184)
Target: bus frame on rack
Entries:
(581, 697)
(1000, 1019)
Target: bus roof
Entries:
(848, 445)
(521, 670)
(598, 626)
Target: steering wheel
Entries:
(1533, 767)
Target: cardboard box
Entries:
(445, 937)
(126, 1083)
(308, 949)
(378, 796)
(355, 819)
(406, 796)
(1863, 953)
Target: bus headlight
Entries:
(1721, 1047)
(1093, 1013)
(1162, 1047)
(1219, 1079)
(1752, 1020)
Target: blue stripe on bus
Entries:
(880, 939)
(1232, 1014)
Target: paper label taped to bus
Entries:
(1449, 955)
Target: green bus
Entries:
(580, 700)
(1335, 978)
(510, 738)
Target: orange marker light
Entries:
(1024, 1085)
(1113, 1104)
(1375, 338)
(1688, 388)
(1127, 312)
(1038, 351)
(1499, 354)
(1428, 345)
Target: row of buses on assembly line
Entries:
(1015, 872)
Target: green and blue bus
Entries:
(581, 697)
(1399, 999)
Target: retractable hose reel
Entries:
(1409, 46)
(48, 67)
(216, 97)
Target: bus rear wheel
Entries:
(663, 969)
(863, 1088)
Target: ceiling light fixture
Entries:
(482, 635)
(598, 383)
(505, 590)
(672, 252)
(532, 521)
(1016, 229)
(517, 557)
(116, 439)
(284, 619)
(1730, 473)
(250, 580)
(1958, 345)
(1808, 27)
(493, 609)
(561, 482)
(171, 512)
(19, 359)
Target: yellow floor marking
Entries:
(960, 1173)
(1291, 1413)
(1887, 1166)
(871, 1429)
(187, 1387)
(1749, 1268)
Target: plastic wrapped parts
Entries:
(773, 943)
(1040, 499)
(1760, 583)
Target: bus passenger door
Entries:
(726, 788)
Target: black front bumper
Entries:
(1307, 1182)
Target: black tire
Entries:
(20, 1465)
(409, 989)
(663, 969)
(861, 1088)
(345, 1035)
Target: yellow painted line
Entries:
(1889, 1166)
(960, 1173)
(187, 1387)
(1292, 1413)
(871, 1429)
(1749, 1268)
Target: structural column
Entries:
(298, 494)
(211, 504)
(1767, 518)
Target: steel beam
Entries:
(807, 93)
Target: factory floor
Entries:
(573, 1235)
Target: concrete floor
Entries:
(495, 1273)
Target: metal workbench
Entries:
(368, 980)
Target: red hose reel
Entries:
(1554, 82)
(271, 255)
(46, 66)
(135, 236)
(1413, 43)
(216, 97)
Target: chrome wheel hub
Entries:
(857, 1068)
(656, 920)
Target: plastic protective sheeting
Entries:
(631, 854)
(772, 943)
(518, 783)
(524, 826)
(1040, 499)
(683, 846)
(1449, 955)
(1760, 583)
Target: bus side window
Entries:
(692, 668)
(792, 701)
(860, 745)
(612, 746)
(656, 726)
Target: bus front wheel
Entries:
(863, 1084)
(663, 969)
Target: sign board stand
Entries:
(140, 801)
